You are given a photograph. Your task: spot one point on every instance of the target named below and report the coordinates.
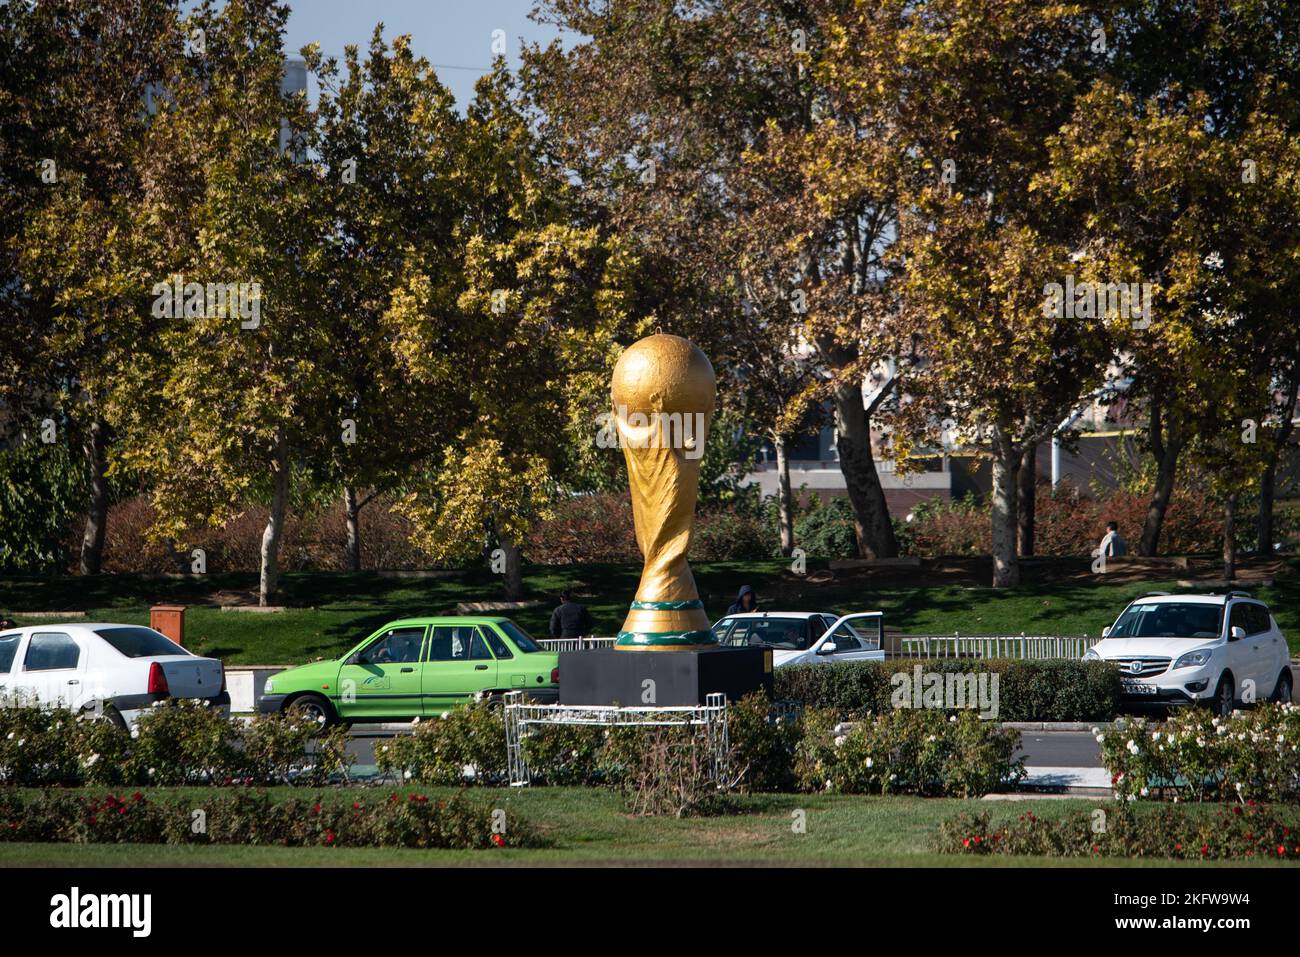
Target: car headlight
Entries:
(266, 688)
(1193, 659)
(1091, 655)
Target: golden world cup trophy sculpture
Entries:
(663, 392)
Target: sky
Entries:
(456, 35)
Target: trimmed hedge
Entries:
(1027, 690)
(242, 817)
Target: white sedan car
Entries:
(116, 671)
(1215, 650)
(806, 637)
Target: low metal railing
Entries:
(522, 718)
(574, 644)
(1022, 646)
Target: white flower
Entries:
(870, 762)
(469, 771)
(839, 740)
(1213, 260)
(446, 715)
(416, 721)
(151, 770)
(1133, 747)
(406, 775)
(10, 736)
(92, 759)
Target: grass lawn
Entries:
(329, 612)
(590, 827)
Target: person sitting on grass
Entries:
(1113, 544)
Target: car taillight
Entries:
(555, 676)
(157, 680)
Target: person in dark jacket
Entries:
(570, 619)
(747, 600)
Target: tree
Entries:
(82, 74)
(980, 249)
(744, 180)
(541, 305)
(390, 150)
(228, 388)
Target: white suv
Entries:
(1188, 649)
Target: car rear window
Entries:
(134, 642)
(523, 641)
(8, 648)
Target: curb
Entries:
(1059, 725)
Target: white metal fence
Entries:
(574, 644)
(955, 645)
(1023, 646)
(521, 719)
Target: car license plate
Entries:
(1137, 687)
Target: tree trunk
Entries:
(1006, 469)
(92, 541)
(1028, 489)
(1166, 468)
(1229, 537)
(1268, 481)
(784, 500)
(353, 511)
(871, 523)
(274, 530)
(514, 573)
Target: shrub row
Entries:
(906, 751)
(1230, 833)
(245, 817)
(1252, 755)
(1027, 690)
(177, 743)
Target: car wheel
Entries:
(1225, 695)
(109, 714)
(314, 707)
(1282, 693)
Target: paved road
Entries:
(1057, 749)
(1060, 749)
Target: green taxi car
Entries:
(417, 667)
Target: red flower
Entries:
(316, 808)
(356, 806)
(137, 796)
(329, 837)
(1236, 809)
(965, 842)
(498, 840)
(1205, 849)
(1281, 849)
(1096, 849)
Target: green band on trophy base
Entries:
(668, 605)
(651, 640)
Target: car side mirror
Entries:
(827, 649)
(1105, 631)
(1236, 633)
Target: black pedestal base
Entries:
(607, 676)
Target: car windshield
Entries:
(522, 639)
(787, 634)
(1169, 619)
(140, 642)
